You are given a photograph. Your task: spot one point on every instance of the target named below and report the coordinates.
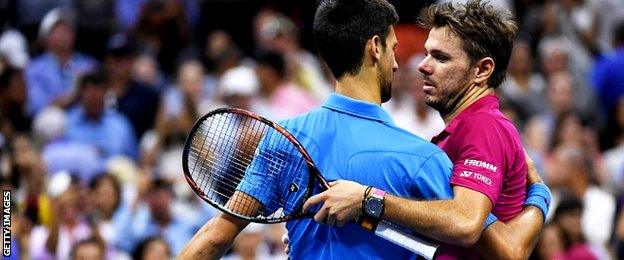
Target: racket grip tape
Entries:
(408, 241)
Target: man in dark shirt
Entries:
(137, 101)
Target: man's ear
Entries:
(483, 69)
(374, 47)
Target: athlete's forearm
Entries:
(514, 239)
(214, 239)
(450, 221)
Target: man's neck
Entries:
(362, 86)
(62, 56)
(468, 99)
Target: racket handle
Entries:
(408, 241)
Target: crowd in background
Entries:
(96, 99)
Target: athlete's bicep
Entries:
(474, 204)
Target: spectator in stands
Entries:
(60, 153)
(92, 123)
(608, 82)
(614, 157)
(153, 217)
(14, 116)
(136, 101)
(568, 217)
(88, 249)
(153, 248)
(106, 212)
(550, 243)
(68, 224)
(162, 29)
(250, 244)
(239, 87)
(275, 32)
(577, 176)
(279, 97)
(51, 76)
(524, 88)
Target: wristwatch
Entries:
(373, 205)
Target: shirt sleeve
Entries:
(258, 181)
(480, 156)
(432, 178)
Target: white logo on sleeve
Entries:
(481, 164)
(477, 176)
(465, 174)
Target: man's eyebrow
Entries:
(439, 52)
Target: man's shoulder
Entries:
(486, 122)
(39, 63)
(303, 121)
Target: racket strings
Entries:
(224, 153)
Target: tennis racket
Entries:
(253, 169)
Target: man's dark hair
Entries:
(116, 185)
(274, 61)
(485, 31)
(141, 248)
(6, 76)
(90, 240)
(97, 78)
(618, 34)
(342, 28)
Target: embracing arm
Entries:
(456, 221)
(214, 239)
(517, 238)
(514, 239)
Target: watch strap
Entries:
(379, 192)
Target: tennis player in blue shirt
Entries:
(357, 41)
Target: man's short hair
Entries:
(87, 241)
(96, 78)
(485, 31)
(618, 34)
(342, 28)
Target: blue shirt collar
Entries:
(357, 108)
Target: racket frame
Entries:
(314, 172)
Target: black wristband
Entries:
(366, 193)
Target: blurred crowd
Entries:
(96, 99)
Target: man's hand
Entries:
(342, 202)
(532, 174)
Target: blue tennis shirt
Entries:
(358, 141)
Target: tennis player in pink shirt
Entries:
(467, 53)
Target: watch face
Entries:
(373, 206)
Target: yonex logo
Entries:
(481, 164)
(476, 176)
(465, 174)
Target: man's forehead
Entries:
(441, 37)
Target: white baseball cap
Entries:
(13, 48)
(241, 81)
(53, 17)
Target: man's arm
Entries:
(214, 239)
(457, 221)
(217, 236)
(514, 239)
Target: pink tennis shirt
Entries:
(487, 157)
